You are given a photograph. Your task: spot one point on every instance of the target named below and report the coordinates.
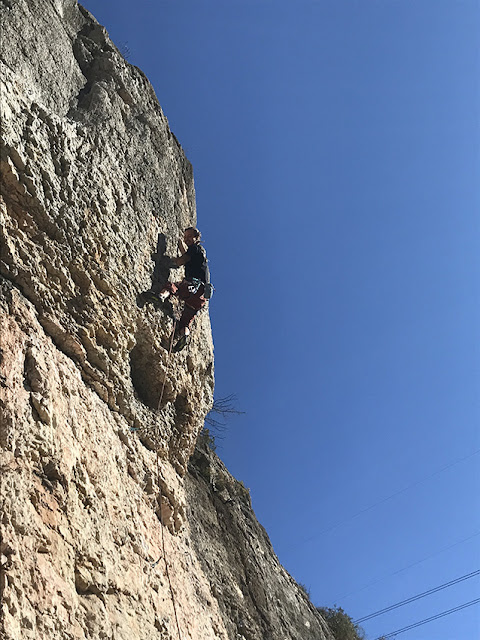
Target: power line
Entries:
(418, 597)
(410, 566)
(393, 495)
(421, 622)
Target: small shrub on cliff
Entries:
(305, 589)
(217, 418)
(341, 625)
(207, 438)
(221, 410)
(124, 50)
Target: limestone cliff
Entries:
(110, 528)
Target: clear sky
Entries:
(335, 146)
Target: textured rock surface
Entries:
(92, 175)
(257, 597)
(94, 183)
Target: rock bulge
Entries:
(96, 490)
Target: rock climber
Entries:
(194, 289)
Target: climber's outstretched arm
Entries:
(182, 247)
(184, 258)
(181, 260)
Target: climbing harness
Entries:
(194, 285)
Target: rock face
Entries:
(107, 530)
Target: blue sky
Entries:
(335, 148)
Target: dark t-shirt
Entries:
(197, 266)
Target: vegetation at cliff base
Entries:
(340, 623)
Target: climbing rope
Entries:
(165, 553)
(159, 497)
(168, 362)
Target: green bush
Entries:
(305, 589)
(341, 625)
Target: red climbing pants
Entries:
(193, 301)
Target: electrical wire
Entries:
(418, 597)
(422, 622)
(386, 499)
(410, 566)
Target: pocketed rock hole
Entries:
(147, 374)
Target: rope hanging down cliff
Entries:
(159, 493)
(156, 433)
(159, 497)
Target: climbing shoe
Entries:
(167, 308)
(151, 296)
(159, 300)
(181, 344)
